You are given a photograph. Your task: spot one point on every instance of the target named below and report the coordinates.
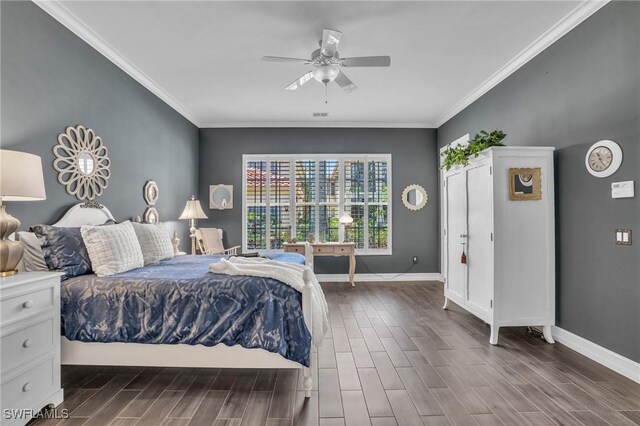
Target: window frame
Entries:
(341, 158)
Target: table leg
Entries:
(352, 269)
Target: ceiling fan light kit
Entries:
(326, 63)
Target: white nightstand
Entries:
(29, 345)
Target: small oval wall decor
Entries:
(82, 162)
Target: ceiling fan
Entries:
(326, 63)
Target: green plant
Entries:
(455, 155)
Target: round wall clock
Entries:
(603, 158)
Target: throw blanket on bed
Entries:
(178, 301)
(290, 274)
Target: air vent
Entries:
(320, 114)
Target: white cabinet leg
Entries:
(493, 338)
(446, 303)
(307, 383)
(546, 331)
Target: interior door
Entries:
(480, 244)
(456, 225)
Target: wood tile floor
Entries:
(393, 357)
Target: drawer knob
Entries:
(27, 387)
(28, 304)
(26, 343)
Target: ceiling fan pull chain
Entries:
(325, 93)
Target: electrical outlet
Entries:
(415, 259)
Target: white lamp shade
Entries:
(346, 219)
(21, 176)
(193, 210)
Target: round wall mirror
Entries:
(82, 162)
(414, 197)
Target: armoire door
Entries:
(480, 244)
(456, 225)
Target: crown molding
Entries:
(62, 14)
(553, 34)
(312, 124)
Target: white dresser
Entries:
(30, 345)
(499, 210)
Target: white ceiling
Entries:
(203, 58)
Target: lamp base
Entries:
(10, 251)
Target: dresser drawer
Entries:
(27, 344)
(20, 391)
(15, 308)
(343, 249)
(294, 249)
(322, 250)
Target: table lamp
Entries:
(191, 212)
(345, 220)
(20, 180)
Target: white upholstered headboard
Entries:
(81, 214)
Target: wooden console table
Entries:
(329, 249)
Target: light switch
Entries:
(623, 237)
(622, 189)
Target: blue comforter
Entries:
(179, 301)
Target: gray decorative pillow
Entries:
(33, 259)
(112, 248)
(154, 241)
(63, 250)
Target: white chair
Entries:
(209, 241)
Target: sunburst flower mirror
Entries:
(82, 162)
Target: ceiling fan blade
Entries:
(330, 41)
(299, 82)
(281, 59)
(343, 81)
(366, 61)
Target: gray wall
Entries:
(584, 88)
(414, 161)
(51, 79)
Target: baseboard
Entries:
(609, 359)
(343, 278)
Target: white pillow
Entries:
(154, 241)
(33, 259)
(112, 248)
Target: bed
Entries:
(177, 314)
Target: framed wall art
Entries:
(525, 184)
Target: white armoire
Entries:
(506, 235)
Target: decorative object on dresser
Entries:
(193, 211)
(603, 158)
(82, 162)
(221, 197)
(20, 180)
(150, 193)
(210, 242)
(498, 257)
(524, 184)
(345, 220)
(175, 242)
(414, 197)
(328, 249)
(30, 335)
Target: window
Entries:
(289, 196)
